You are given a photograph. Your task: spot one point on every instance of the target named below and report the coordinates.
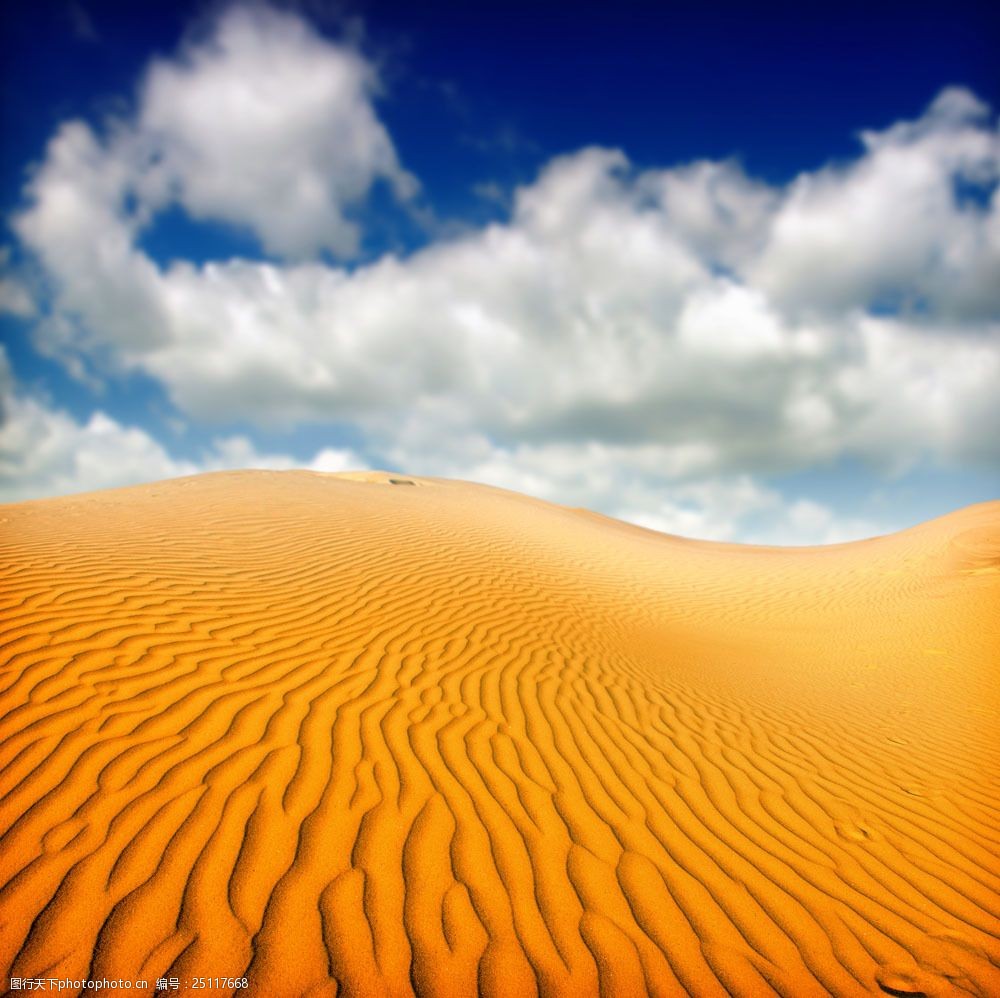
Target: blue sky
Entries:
(730, 271)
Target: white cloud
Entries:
(889, 227)
(262, 124)
(587, 317)
(266, 124)
(649, 343)
(44, 451)
(728, 321)
(922, 390)
(15, 298)
(716, 209)
(78, 226)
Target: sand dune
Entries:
(335, 735)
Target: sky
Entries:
(730, 271)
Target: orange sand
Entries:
(337, 735)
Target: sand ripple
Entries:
(338, 736)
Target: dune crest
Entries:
(334, 737)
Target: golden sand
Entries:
(336, 735)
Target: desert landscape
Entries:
(663, 655)
(292, 733)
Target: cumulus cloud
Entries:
(891, 228)
(79, 227)
(44, 451)
(15, 298)
(265, 124)
(260, 123)
(651, 343)
(589, 316)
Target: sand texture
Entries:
(339, 734)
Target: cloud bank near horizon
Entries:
(659, 344)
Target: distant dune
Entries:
(372, 735)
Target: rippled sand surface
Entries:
(370, 735)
